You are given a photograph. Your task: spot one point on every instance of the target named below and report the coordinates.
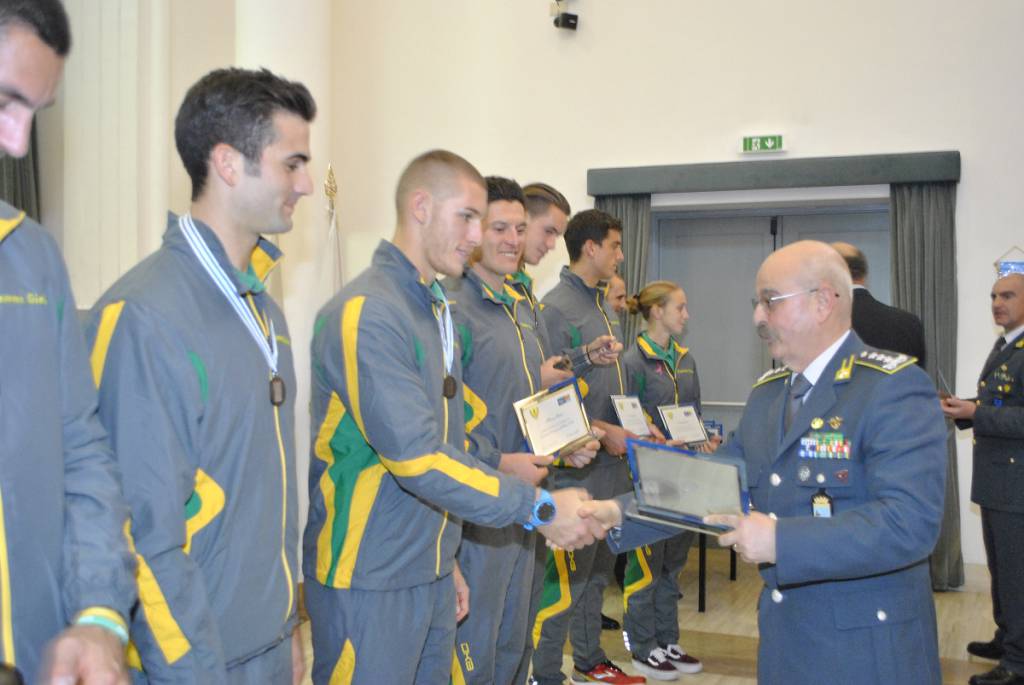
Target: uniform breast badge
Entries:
(821, 505)
(835, 422)
(817, 423)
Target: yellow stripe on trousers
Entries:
(346, 666)
(564, 598)
(640, 584)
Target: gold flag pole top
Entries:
(330, 187)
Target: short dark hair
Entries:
(234, 106)
(541, 196)
(501, 188)
(858, 265)
(46, 18)
(590, 224)
(436, 171)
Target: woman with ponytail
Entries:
(659, 371)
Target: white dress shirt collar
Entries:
(814, 370)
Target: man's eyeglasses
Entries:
(769, 302)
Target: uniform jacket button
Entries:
(820, 478)
(882, 615)
(775, 479)
(776, 596)
(772, 516)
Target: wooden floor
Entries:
(725, 636)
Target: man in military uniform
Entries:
(997, 416)
(845, 455)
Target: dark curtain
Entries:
(19, 181)
(924, 282)
(634, 211)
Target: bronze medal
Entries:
(449, 387)
(277, 391)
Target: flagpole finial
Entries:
(330, 187)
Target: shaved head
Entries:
(812, 264)
(438, 172)
(805, 297)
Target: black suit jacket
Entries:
(887, 328)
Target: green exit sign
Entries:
(772, 143)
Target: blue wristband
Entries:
(543, 511)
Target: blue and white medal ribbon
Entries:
(227, 288)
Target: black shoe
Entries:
(997, 676)
(986, 650)
(609, 623)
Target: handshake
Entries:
(579, 520)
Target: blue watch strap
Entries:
(542, 502)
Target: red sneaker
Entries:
(606, 672)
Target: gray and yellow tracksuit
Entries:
(575, 313)
(390, 481)
(501, 359)
(527, 310)
(530, 306)
(208, 463)
(658, 376)
(62, 551)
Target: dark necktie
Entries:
(996, 349)
(798, 387)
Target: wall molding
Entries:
(807, 172)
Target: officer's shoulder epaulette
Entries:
(772, 375)
(886, 362)
(1020, 344)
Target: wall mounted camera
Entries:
(563, 19)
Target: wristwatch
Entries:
(543, 511)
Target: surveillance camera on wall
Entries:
(566, 20)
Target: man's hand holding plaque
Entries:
(584, 455)
(554, 421)
(529, 468)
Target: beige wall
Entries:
(668, 82)
(652, 82)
